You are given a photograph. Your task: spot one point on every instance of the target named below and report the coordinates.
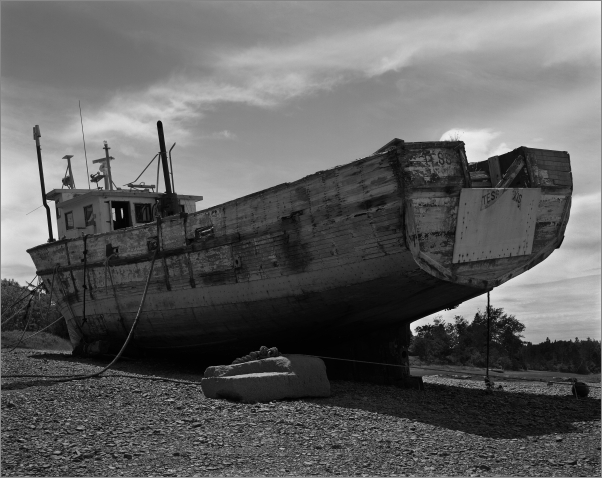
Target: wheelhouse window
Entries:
(88, 215)
(120, 212)
(69, 220)
(143, 213)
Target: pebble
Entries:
(452, 428)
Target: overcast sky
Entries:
(260, 93)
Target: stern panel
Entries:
(495, 223)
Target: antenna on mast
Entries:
(84, 138)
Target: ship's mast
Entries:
(107, 164)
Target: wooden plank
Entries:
(451, 182)
(559, 175)
(554, 166)
(495, 173)
(515, 168)
(548, 152)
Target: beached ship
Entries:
(338, 263)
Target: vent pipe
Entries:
(163, 151)
(36, 137)
(169, 202)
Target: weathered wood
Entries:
(495, 173)
(515, 168)
(358, 248)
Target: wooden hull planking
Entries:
(336, 255)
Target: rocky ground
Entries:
(134, 427)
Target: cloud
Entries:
(391, 46)
(583, 233)
(177, 101)
(268, 76)
(500, 149)
(225, 134)
(477, 142)
(578, 46)
(571, 305)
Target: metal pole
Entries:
(173, 184)
(106, 148)
(84, 138)
(488, 332)
(164, 158)
(36, 136)
(158, 167)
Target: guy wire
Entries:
(84, 138)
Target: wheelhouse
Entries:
(96, 211)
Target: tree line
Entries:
(465, 343)
(40, 313)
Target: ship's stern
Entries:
(481, 224)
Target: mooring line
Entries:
(482, 374)
(29, 292)
(68, 378)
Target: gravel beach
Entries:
(127, 426)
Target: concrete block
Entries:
(287, 376)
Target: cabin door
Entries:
(120, 211)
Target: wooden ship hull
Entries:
(337, 263)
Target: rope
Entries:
(111, 375)
(46, 316)
(30, 292)
(151, 162)
(480, 374)
(26, 325)
(15, 314)
(42, 330)
(69, 378)
(360, 361)
(22, 297)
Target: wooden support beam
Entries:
(495, 172)
(513, 170)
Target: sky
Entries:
(255, 94)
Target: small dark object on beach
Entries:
(580, 390)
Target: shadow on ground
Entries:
(178, 369)
(504, 414)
